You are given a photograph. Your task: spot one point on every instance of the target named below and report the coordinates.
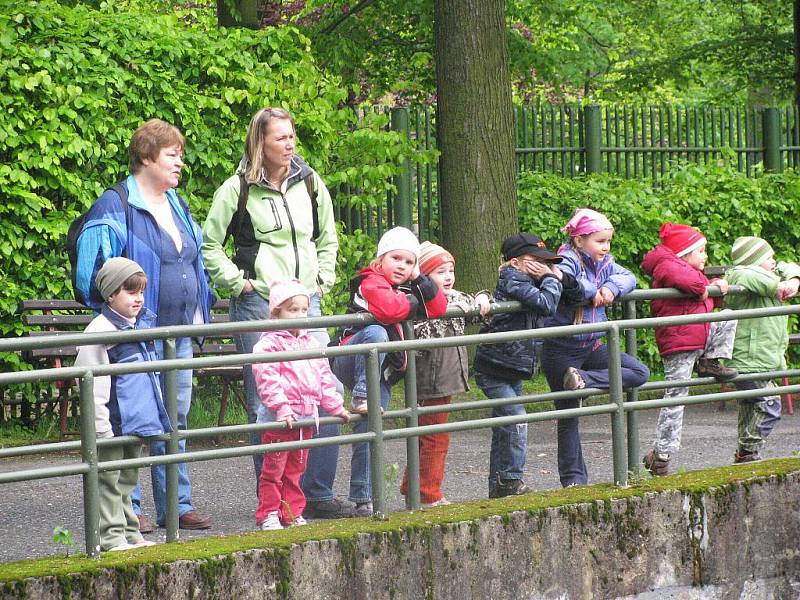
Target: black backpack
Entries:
(235, 227)
(75, 230)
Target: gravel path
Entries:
(224, 489)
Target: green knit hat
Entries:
(750, 250)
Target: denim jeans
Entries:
(509, 447)
(321, 461)
(351, 371)
(158, 473)
(592, 363)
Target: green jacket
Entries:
(276, 241)
(760, 343)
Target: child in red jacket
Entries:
(678, 263)
(392, 289)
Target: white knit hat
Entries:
(398, 238)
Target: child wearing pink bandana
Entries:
(579, 361)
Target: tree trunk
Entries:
(477, 179)
(248, 11)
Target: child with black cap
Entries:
(528, 275)
(129, 404)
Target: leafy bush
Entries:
(717, 199)
(75, 82)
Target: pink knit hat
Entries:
(281, 291)
(586, 221)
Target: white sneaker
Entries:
(144, 544)
(359, 405)
(272, 522)
(122, 547)
(298, 522)
(440, 502)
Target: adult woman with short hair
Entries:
(155, 229)
(280, 234)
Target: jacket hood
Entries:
(145, 320)
(298, 169)
(657, 255)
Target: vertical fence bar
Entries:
(429, 176)
(618, 417)
(591, 138)
(171, 400)
(403, 208)
(770, 119)
(412, 420)
(629, 312)
(91, 484)
(375, 423)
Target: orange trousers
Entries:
(432, 455)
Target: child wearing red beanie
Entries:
(441, 372)
(678, 263)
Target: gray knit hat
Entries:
(113, 274)
(750, 250)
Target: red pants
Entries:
(279, 485)
(432, 455)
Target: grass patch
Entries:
(346, 529)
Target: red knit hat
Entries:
(431, 256)
(681, 239)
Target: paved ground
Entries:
(225, 489)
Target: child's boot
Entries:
(711, 367)
(657, 463)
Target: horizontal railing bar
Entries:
(705, 398)
(44, 473)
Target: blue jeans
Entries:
(351, 371)
(158, 473)
(592, 363)
(252, 307)
(509, 447)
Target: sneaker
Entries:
(440, 502)
(364, 509)
(329, 509)
(657, 463)
(508, 487)
(359, 405)
(745, 457)
(122, 547)
(711, 367)
(298, 522)
(144, 544)
(272, 522)
(573, 380)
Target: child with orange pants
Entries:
(441, 372)
(289, 390)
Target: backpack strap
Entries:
(312, 193)
(121, 189)
(236, 223)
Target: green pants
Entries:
(118, 522)
(757, 416)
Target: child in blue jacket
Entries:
(574, 362)
(529, 275)
(128, 404)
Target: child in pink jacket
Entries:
(289, 390)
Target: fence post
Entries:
(629, 312)
(375, 423)
(91, 484)
(402, 181)
(617, 417)
(412, 420)
(172, 446)
(592, 133)
(772, 140)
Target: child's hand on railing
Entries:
(288, 419)
(483, 303)
(788, 289)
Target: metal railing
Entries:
(625, 447)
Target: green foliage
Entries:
(356, 251)
(64, 537)
(723, 203)
(75, 82)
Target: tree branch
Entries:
(355, 10)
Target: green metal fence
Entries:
(622, 413)
(630, 141)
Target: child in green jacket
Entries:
(760, 343)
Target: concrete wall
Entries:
(739, 541)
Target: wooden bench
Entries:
(54, 317)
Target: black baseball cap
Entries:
(527, 243)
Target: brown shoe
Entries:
(146, 525)
(657, 463)
(193, 520)
(711, 367)
(573, 380)
(745, 457)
